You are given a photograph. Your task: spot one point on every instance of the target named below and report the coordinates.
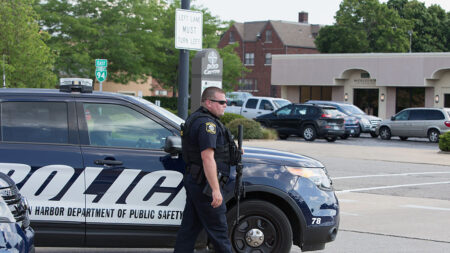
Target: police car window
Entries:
(120, 126)
(42, 122)
(251, 103)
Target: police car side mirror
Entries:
(173, 145)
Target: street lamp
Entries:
(410, 32)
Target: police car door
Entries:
(39, 149)
(134, 189)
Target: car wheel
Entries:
(373, 134)
(262, 227)
(345, 136)
(357, 133)
(282, 136)
(433, 135)
(403, 138)
(385, 133)
(331, 139)
(309, 133)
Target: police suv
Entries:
(105, 170)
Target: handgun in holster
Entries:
(222, 181)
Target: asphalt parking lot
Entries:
(393, 194)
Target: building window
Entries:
(365, 75)
(249, 59)
(409, 97)
(161, 93)
(232, 39)
(268, 59)
(268, 36)
(249, 85)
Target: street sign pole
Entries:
(183, 77)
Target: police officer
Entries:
(205, 144)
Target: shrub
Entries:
(228, 117)
(444, 142)
(252, 129)
(269, 134)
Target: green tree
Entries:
(430, 25)
(232, 66)
(28, 60)
(365, 26)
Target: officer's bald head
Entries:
(210, 93)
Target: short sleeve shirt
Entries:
(206, 133)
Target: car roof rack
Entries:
(82, 85)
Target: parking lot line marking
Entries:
(392, 175)
(350, 214)
(390, 186)
(427, 207)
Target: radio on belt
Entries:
(83, 85)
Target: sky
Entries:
(319, 11)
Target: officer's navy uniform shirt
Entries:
(206, 134)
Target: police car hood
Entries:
(271, 156)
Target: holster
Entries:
(222, 182)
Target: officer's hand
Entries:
(217, 199)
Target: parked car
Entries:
(351, 125)
(106, 170)
(305, 120)
(16, 235)
(237, 98)
(367, 123)
(416, 122)
(256, 106)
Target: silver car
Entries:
(416, 122)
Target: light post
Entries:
(4, 75)
(410, 32)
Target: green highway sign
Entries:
(101, 63)
(100, 74)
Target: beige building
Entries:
(380, 84)
(149, 88)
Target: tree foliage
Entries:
(136, 36)
(28, 60)
(365, 26)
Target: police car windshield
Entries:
(172, 117)
(351, 109)
(280, 103)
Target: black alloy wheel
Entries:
(357, 132)
(373, 134)
(433, 135)
(282, 136)
(309, 133)
(262, 228)
(385, 133)
(403, 138)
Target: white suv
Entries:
(416, 122)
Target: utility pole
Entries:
(183, 75)
(410, 32)
(4, 75)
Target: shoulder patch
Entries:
(210, 127)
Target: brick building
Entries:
(259, 40)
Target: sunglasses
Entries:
(222, 102)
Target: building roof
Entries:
(291, 33)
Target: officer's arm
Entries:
(210, 168)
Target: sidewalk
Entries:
(394, 154)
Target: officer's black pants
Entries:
(198, 214)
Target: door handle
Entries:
(244, 111)
(108, 162)
(259, 112)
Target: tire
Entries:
(260, 217)
(433, 135)
(309, 133)
(331, 139)
(403, 138)
(357, 133)
(373, 134)
(385, 133)
(345, 136)
(282, 136)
